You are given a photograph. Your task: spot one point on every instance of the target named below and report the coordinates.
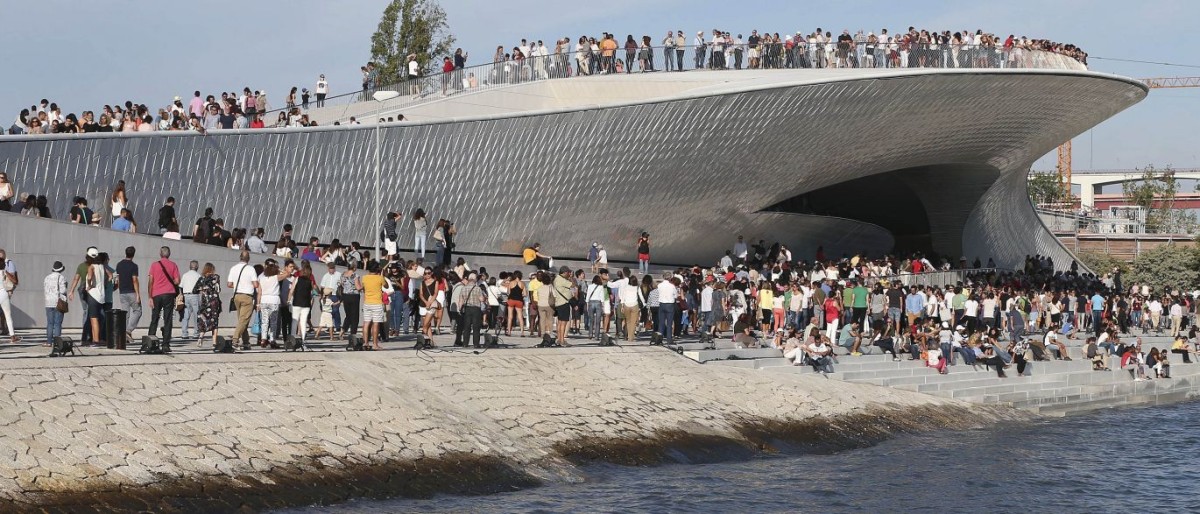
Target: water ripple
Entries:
(1076, 464)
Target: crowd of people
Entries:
(200, 114)
(588, 55)
(755, 295)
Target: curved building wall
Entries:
(695, 171)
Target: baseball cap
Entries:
(93, 252)
(58, 266)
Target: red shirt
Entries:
(257, 124)
(162, 284)
(447, 66)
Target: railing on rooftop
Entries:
(937, 278)
(493, 75)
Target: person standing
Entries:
(129, 290)
(208, 288)
(301, 299)
(470, 298)
(350, 288)
(8, 283)
(1097, 313)
(269, 298)
(244, 282)
(561, 297)
(54, 290)
(669, 50)
(322, 90)
(667, 294)
(389, 234)
(643, 249)
(420, 232)
(166, 215)
(373, 287)
(7, 193)
(164, 285)
(192, 304)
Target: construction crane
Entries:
(1064, 150)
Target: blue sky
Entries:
(84, 54)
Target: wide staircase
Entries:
(1053, 388)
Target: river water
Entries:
(1131, 460)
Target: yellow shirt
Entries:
(373, 289)
(766, 298)
(530, 254)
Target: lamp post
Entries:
(379, 96)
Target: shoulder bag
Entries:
(179, 305)
(61, 305)
(232, 306)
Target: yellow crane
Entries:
(1064, 150)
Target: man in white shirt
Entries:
(667, 294)
(191, 300)
(330, 280)
(630, 295)
(701, 49)
(706, 305)
(322, 90)
(819, 356)
(1176, 317)
(726, 261)
(1156, 310)
(740, 250)
(243, 280)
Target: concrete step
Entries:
(752, 353)
(752, 363)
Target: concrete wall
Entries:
(34, 244)
(193, 433)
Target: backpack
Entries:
(224, 345)
(203, 230)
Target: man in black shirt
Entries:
(220, 236)
(895, 298)
(166, 214)
(203, 230)
(129, 290)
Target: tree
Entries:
(1167, 267)
(409, 27)
(1045, 188)
(1102, 263)
(1155, 193)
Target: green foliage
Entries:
(1102, 263)
(1167, 267)
(1155, 193)
(1046, 188)
(410, 27)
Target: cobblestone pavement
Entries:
(109, 419)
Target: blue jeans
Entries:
(54, 321)
(643, 266)
(595, 312)
(706, 321)
(1096, 322)
(399, 312)
(666, 321)
(790, 317)
(191, 315)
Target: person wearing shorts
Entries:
(374, 287)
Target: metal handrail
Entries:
(935, 278)
(573, 63)
(568, 64)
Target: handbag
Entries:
(179, 305)
(62, 305)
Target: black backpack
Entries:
(204, 229)
(224, 345)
